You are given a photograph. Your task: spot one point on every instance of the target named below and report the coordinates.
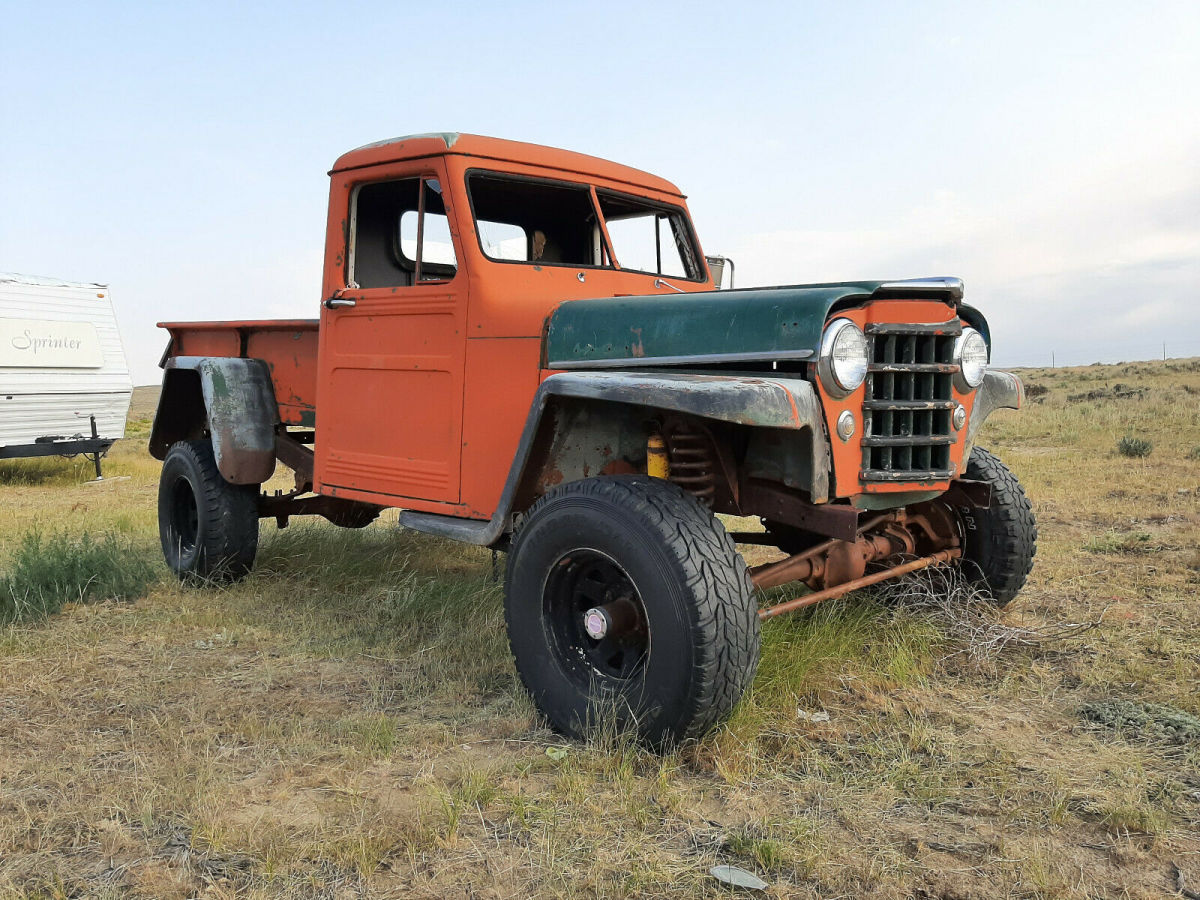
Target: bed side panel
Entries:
(288, 347)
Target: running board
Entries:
(481, 532)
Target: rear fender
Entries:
(229, 399)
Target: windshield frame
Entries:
(689, 252)
(614, 264)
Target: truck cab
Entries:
(525, 348)
(445, 256)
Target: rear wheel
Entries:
(627, 603)
(999, 542)
(208, 527)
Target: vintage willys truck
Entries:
(524, 348)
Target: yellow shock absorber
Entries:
(657, 463)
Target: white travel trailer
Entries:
(64, 382)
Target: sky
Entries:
(1047, 153)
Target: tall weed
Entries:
(47, 571)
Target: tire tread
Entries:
(1008, 530)
(230, 540)
(725, 629)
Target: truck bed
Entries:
(288, 346)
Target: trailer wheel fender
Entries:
(227, 399)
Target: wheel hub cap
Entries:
(595, 623)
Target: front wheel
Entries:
(999, 542)
(208, 527)
(627, 603)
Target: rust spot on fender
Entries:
(637, 349)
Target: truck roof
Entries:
(414, 146)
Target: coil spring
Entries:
(692, 465)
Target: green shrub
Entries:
(1134, 446)
(1194, 453)
(47, 571)
(1137, 718)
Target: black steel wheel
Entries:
(628, 605)
(207, 526)
(999, 542)
(596, 618)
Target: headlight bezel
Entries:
(961, 379)
(826, 368)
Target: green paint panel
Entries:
(747, 322)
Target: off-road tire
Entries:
(208, 527)
(699, 610)
(999, 542)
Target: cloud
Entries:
(1105, 265)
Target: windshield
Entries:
(543, 222)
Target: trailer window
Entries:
(647, 238)
(400, 234)
(535, 221)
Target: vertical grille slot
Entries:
(909, 398)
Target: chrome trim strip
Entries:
(644, 361)
(951, 285)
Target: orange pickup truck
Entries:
(526, 348)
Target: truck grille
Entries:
(907, 433)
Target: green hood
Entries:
(711, 327)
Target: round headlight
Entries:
(843, 361)
(971, 354)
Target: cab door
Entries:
(392, 341)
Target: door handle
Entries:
(339, 302)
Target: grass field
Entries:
(347, 722)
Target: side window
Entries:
(503, 240)
(400, 234)
(522, 220)
(649, 239)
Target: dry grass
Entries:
(346, 722)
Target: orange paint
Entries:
(847, 455)
(424, 388)
(288, 346)
(437, 430)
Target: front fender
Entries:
(231, 398)
(999, 390)
(776, 403)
